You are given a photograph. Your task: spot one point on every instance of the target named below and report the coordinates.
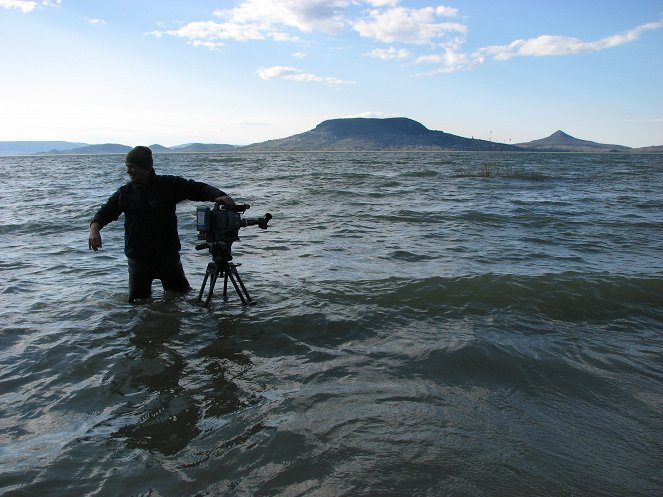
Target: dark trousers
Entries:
(143, 272)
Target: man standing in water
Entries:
(151, 241)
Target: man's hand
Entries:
(94, 239)
(225, 200)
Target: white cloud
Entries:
(452, 59)
(369, 114)
(441, 10)
(403, 25)
(28, 5)
(95, 22)
(212, 45)
(303, 15)
(285, 20)
(24, 5)
(382, 21)
(382, 3)
(549, 45)
(390, 53)
(299, 76)
(212, 30)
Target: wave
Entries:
(567, 296)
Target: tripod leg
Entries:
(233, 273)
(211, 274)
(212, 282)
(202, 287)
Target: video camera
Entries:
(221, 224)
(219, 227)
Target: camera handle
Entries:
(235, 208)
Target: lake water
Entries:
(426, 324)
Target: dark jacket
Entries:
(150, 222)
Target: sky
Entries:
(239, 72)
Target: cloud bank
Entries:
(432, 36)
(27, 5)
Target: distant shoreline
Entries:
(344, 135)
(398, 151)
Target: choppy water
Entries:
(420, 330)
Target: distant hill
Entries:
(33, 147)
(159, 149)
(64, 147)
(111, 148)
(104, 148)
(655, 149)
(562, 142)
(398, 133)
(202, 147)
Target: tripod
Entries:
(221, 266)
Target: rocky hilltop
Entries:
(354, 134)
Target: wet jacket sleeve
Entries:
(108, 212)
(187, 189)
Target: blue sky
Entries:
(240, 72)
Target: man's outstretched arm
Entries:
(107, 213)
